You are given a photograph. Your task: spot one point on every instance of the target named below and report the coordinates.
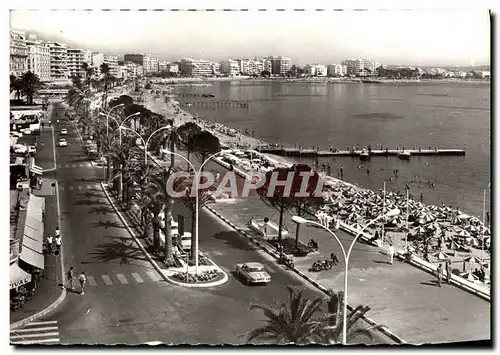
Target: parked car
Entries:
(27, 131)
(64, 131)
(62, 142)
(185, 241)
(20, 149)
(32, 150)
(252, 273)
(16, 134)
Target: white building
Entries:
(38, 58)
(173, 68)
(191, 67)
(18, 53)
(255, 66)
(122, 72)
(361, 66)
(336, 70)
(280, 65)
(163, 66)
(58, 61)
(150, 63)
(76, 58)
(268, 66)
(244, 65)
(315, 70)
(230, 67)
(112, 62)
(134, 70)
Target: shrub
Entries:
(205, 276)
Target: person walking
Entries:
(448, 272)
(439, 274)
(82, 279)
(57, 232)
(390, 253)
(58, 243)
(50, 241)
(70, 277)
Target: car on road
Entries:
(62, 142)
(32, 150)
(16, 134)
(64, 131)
(27, 131)
(252, 273)
(20, 149)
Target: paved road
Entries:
(125, 301)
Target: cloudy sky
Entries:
(418, 37)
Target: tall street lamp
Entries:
(120, 124)
(145, 143)
(108, 113)
(301, 220)
(197, 184)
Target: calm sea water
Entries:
(443, 115)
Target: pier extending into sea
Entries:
(295, 152)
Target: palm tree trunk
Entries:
(108, 167)
(194, 245)
(172, 156)
(156, 234)
(169, 256)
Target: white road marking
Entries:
(66, 166)
(137, 277)
(122, 278)
(43, 323)
(71, 187)
(34, 335)
(74, 165)
(27, 342)
(89, 187)
(32, 330)
(107, 280)
(80, 188)
(59, 165)
(97, 186)
(91, 281)
(153, 275)
(82, 166)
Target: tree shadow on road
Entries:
(89, 195)
(101, 210)
(118, 249)
(234, 240)
(107, 224)
(88, 202)
(430, 283)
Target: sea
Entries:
(337, 115)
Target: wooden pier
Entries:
(219, 104)
(294, 152)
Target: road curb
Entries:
(371, 322)
(151, 260)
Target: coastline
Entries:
(326, 80)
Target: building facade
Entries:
(38, 58)
(133, 70)
(150, 63)
(76, 58)
(112, 62)
(361, 67)
(58, 61)
(230, 67)
(18, 54)
(268, 65)
(134, 58)
(163, 66)
(315, 70)
(191, 67)
(280, 65)
(336, 70)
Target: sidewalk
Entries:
(49, 290)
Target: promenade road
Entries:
(126, 301)
(401, 296)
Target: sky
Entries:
(444, 37)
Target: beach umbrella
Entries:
(454, 245)
(456, 220)
(353, 216)
(357, 226)
(471, 228)
(472, 259)
(473, 241)
(463, 233)
(469, 276)
(440, 256)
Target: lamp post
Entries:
(120, 124)
(197, 183)
(145, 143)
(301, 220)
(108, 113)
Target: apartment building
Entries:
(280, 65)
(18, 53)
(173, 68)
(315, 70)
(75, 59)
(58, 61)
(134, 58)
(150, 63)
(361, 66)
(336, 70)
(196, 67)
(255, 67)
(162, 66)
(38, 58)
(268, 65)
(230, 67)
(133, 70)
(112, 62)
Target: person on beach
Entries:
(421, 196)
(368, 171)
(448, 271)
(70, 277)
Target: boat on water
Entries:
(405, 155)
(364, 155)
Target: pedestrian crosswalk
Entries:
(75, 165)
(43, 332)
(123, 279)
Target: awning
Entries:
(32, 240)
(31, 257)
(18, 276)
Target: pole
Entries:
(407, 215)
(383, 224)
(482, 229)
(344, 322)
(196, 222)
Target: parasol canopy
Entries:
(440, 256)
(473, 260)
(469, 276)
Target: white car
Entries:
(20, 149)
(32, 149)
(62, 142)
(186, 241)
(64, 131)
(252, 273)
(16, 134)
(27, 131)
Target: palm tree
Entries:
(289, 323)
(205, 144)
(122, 156)
(158, 187)
(15, 85)
(30, 83)
(105, 71)
(186, 133)
(88, 70)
